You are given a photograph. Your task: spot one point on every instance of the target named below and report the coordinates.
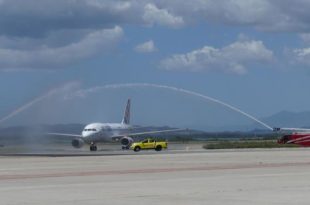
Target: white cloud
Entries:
(267, 15)
(146, 47)
(31, 18)
(28, 29)
(233, 58)
(55, 57)
(301, 56)
(153, 15)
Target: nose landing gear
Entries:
(93, 147)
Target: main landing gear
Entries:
(93, 147)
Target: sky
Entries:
(251, 54)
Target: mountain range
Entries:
(289, 119)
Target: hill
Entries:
(289, 119)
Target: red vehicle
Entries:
(299, 136)
(302, 139)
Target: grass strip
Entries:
(246, 144)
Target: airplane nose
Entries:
(88, 134)
(85, 134)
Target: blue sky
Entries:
(254, 55)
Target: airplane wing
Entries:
(64, 134)
(117, 137)
(291, 129)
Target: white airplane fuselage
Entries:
(104, 132)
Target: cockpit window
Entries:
(90, 130)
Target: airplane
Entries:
(299, 136)
(109, 132)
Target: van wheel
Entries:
(158, 148)
(137, 149)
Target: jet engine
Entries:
(126, 141)
(77, 143)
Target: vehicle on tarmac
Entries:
(299, 136)
(302, 139)
(149, 143)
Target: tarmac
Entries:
(184, 176)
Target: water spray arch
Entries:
(85, 92)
